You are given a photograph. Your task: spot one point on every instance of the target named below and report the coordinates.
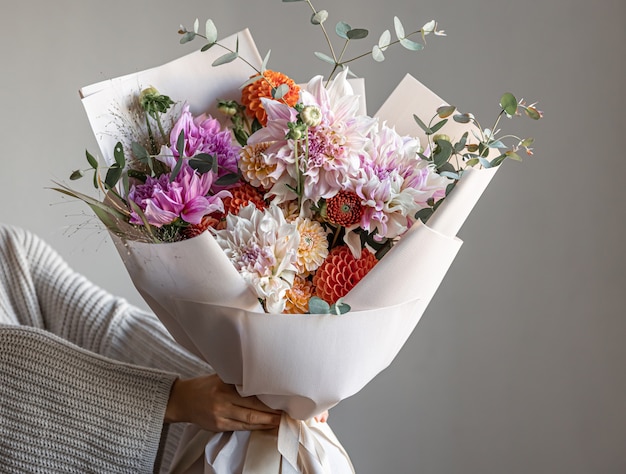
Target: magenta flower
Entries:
(204, 134)
(163, 202)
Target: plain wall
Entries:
(518, 364)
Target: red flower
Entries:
(344, 209)
(340, 272)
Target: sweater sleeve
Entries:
(45, 292)
(64, 409)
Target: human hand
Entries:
(216, 406)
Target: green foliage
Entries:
(319, 306)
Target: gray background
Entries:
(518, 365)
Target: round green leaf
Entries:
(342, 29)
(508, 102)
(377, 54)
(357, 33)
(445, 111)
(319, 17)
(210, 31)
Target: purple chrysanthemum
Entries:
(204, 134)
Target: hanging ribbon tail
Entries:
(311, 447)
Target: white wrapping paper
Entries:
(302, 364)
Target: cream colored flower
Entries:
(253, 166)
(313, 248)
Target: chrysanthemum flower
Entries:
(344, 209)
(263, 247)
(252, 94)
(253, 166)
(187, 198)
(334, 145)
(394, 183)
(340, 272)
(298, 296)
(313, 248)
(204, 134)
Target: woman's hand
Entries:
(215, 406)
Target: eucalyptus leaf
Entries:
(458, 146)
(527, 142)
(196, 26)
(508, 102)
(422, 125)
(325, 58)
(411, 45)
(139, 152)
(384, 40)
(435, 128)
(450, 174)
(280, 91)
(113, 176)
(319, 17)
(342, 29)
(91, 160)
(442, 153)
(210, 31)
(318, 306)
(77, 174)
(118, 154)
(206, 47)
(512, 155)
(496, 144)
(484, 161)
(227, 179)
(461, 118)
(377, 54)
(424, 214)
(398, 27)
(445, 111)
(203, 163)
(357, 33)
(472, 162)
(187, 37)
(226, 58)
(265, 61)
(532, 113)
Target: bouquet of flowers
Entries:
(277, 230)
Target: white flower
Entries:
(263, 247)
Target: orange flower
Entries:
(344, 209)
(253, 166)
(298, 296)
(340, 272)
(196, 229)
(242, 196)
(262, 88)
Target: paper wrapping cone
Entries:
(303, 364)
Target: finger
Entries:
(248, 419)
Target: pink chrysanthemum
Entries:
(334, 146)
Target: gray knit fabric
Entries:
(84, 376)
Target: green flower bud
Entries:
(311, 116)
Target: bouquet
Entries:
(280, 232)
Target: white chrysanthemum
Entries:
(263, 247)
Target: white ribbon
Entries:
(297, 447)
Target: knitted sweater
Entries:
(84, 376)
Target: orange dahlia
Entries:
(253, 93)
(196, 229)
(344, 209)
(242, 196)
(298, 296)
(340, 272)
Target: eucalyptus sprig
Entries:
(347, 33)
(450, 159)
